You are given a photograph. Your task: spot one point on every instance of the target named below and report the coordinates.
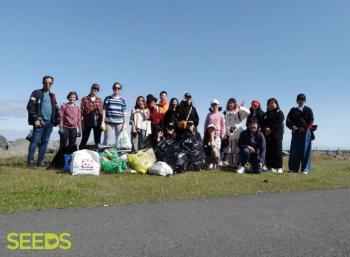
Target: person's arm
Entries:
(105, 104)
(31, 108)
(79, 118)
(195, 117)
(243, 112)
(223, 128)
(289, 121)
(206, 123)
(132, 121)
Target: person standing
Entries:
(273, 129)
(114, 113)
(140, 124)
(234, 115)
(255, 112)
(187, 112)
(212, 145)
(300, 121)
(252, 147)
(70, 123)
(171, 116)
(163, 107)
(43, 116)
(92, 112)
(154, 111)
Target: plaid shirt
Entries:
(89, 108)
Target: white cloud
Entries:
(13, 108)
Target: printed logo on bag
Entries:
(87, 164)
(38, 241)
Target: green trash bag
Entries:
(142, 160)
(111, 162)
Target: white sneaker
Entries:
(265, 168)
(273, 170)
(280, 171)
(240, 170)
(305, 173)
(211, 166)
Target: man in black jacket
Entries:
(43, 116)
(252, 146)
(187, 112)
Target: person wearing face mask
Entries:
(70, 124)
(216, 118)
(234, 115)
(187, 112)
(273, 129)
(252, 147)
(43, 116)
(114, 113)
(300, 121)
(255, 112)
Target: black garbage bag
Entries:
(193, 147)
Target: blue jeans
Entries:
(252, 158)
(300, 152)
(40, 138)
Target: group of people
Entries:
(225, 141)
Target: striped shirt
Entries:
(115, 108)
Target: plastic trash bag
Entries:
(161, 169)
(142, 160)
(123, 141)
(85, 162)
(111, 162)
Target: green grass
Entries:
(24, 190)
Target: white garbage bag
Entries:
(161, 169)
(85, 162)
(123, 140)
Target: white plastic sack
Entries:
(161, 169)
(123, 141)
(85, 162)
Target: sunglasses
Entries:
(47, 83)
(117, 88)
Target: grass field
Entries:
(24, 190)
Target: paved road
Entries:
(284, 224)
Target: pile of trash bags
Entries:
(183, 154)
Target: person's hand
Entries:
(37, 123)
(79, 133)
(60, 131)
(251, 149)
(268, 131)
(260, 165)
(301, 129)
(294, 128)
(103, 126)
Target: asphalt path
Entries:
(313, 223)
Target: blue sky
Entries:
(213, 49)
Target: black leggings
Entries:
(69, 136)
(86, 135)
(274, 156)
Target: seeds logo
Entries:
(38, 241)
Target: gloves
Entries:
(79, 133)
(103, 126)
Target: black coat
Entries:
(273, 119)
(258, 114)
(257, 141)
(183, 111)
(171, 116)
(300, 119)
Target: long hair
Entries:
(231, 100)
(137, 106)
(270, 100)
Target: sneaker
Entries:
(265, 168)
(31, 165)
(240, 170)
(210, 166)
(280, 171)
(42, 165)
(273, 170)
(305, 172)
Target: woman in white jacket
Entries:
(234, 115)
